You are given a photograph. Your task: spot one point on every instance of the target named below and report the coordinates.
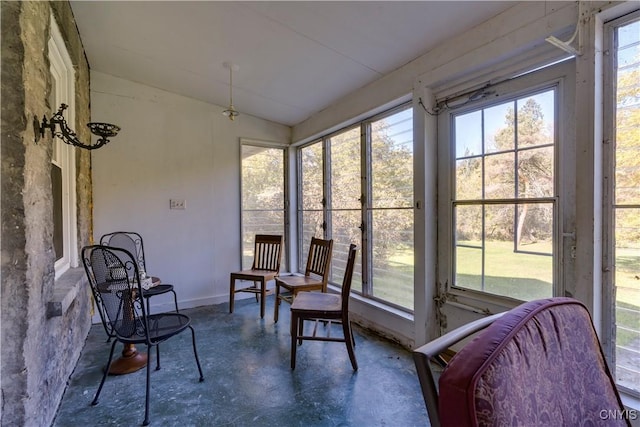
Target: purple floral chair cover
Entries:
(539, 364)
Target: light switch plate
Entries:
(177, 204)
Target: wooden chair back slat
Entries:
(267, 252)
(319, 260)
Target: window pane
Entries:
(519, 275)
(534, 228)
(345, 170)
(506, 248)
(468, 225)
(375, 202)
(627, 286)
(311, 196)
(468, 267)
(627, 207)
(535, 172)
(262, 196)
(468, 134)
(499, 132)
(468, 246)
(392, 208)
(393, 256)
(345, 211)
(499, 179)
(536, 119)
(262, 178)
(627, 157)
(345, 230)
(469, 179)
(311, 176)
(392, 161)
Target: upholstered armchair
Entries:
(539, 364)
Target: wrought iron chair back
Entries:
(129, 240)
(132, 242)
(115, 284)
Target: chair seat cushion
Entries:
(317, 301)
(540, 364)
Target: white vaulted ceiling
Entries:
(294, 58)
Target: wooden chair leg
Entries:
(294, 338)
(348, 339)
(276, 304)
(263, 297)
(300, 329)
(232, 294)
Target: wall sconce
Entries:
(231, 112)
(103, 130)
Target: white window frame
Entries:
(562, 75)
(63, 155)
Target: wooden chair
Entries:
(114, 277)
(325, 307)
(266, 266)
(315, 276)
(132, 242)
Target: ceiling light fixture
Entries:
(231, 112)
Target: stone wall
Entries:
(38, 353)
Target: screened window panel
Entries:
(263, 197)
(626, 207)
(311, 212)
(345, 229)
(345, 170)
(392, 219)
(372, 208)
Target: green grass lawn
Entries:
(518, 275)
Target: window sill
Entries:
(65, 291)
(630, 401)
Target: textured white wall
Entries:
(173, 147)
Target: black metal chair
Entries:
(114, 277)
(132, 242)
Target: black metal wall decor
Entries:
(103, 130)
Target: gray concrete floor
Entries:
(248, 379)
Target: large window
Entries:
(507, 207)
(504, 204)
(623, 212)
(356, 186)
(263, 196)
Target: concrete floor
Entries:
(248, 379)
